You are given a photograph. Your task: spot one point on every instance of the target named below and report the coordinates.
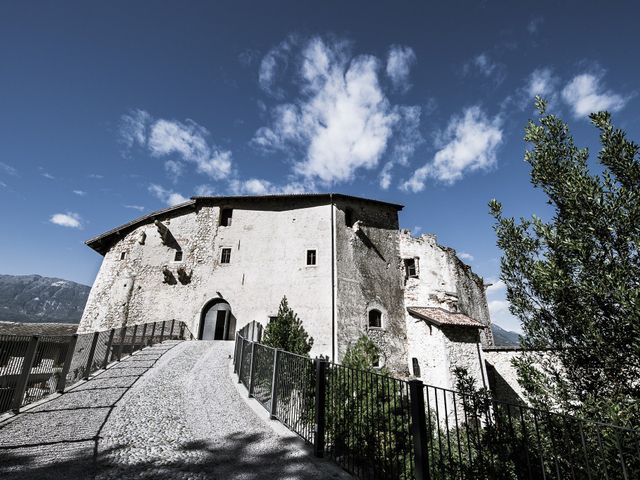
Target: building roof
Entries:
(15, 328)
(102, 243)
(440, 317)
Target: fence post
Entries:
(133, 339)
(92, 352)
(251, 368)
(109, 345)
(153, 333)
(320, 404)
(239, 371)
(274, 380)
(123, 334)
(171, 332)
(62, 379)
(27, 363)
(162, 331)
(419, 423)
(144, 332)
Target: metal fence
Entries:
(32, 367)
(379, 427)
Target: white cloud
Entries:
(48, 176)
(167, 196)
(133, 128)
(488, 68)
(80, 193)
(140, 208)
(534, 25)
(174, 168)
(69, 219)
(342, 120)
(8, 169)
(257, 186)
(468, 144)
(399, 64)
(3, 185)
(189, 141)
(96, 176)
(586, 94)
(186, 139)
(204, 191)
(541, 82)
(275, 63)
(465, 256)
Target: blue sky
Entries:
(109, 110)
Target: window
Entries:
(416, 367)
(225, 217)
(376, 362)
(311, 257)
(123, 255)
(272, 318)
(225, 257)
(178, 256)
(375, 318)
(411, 267)
(348, 217)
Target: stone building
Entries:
(217, 263)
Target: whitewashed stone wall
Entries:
(268, 261)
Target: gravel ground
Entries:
(169, 411)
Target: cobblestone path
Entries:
(168, 411)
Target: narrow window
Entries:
(178, 256)
(416, 367)
(225, 217)
(123, 255)
(272, 318)
(348, 217)
(375, 318)
(226, 255)
(311, 257)
(376, 362)
(410, 268)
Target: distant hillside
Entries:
(504, 338)
(36, 299)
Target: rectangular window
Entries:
(311, 257)
(416, 367)
(225, 217)
(178, 256)
(272, 318)
(123, 255)
(225, 257)
(411, 268)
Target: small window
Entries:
(376, 362)
(311, 257)
(225, 217)
(123, 255)
(411, 267)
(375, 318)
(416, 367)
(225, 257)
(272, 318)
(348, 217)
(178, 256)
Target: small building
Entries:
(217, 263)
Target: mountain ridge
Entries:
(38, 299)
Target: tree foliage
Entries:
(286, 332)
(574, 279)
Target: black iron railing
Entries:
(32, 367)
(379, 427)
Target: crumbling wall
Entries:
(368, 277)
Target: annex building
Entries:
(217, 263)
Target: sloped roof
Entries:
(440, 317)
(101, 243)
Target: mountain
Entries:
(36, 299)
(504, 338)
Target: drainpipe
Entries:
(333, 285)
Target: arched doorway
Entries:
(216, 321)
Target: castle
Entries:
(217, 263)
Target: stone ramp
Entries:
(168, 411)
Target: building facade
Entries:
(217, 263)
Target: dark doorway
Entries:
(219, 332)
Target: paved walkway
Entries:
(169, 411)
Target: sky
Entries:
(110, 110)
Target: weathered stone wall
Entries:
(442, 281)
(368, 277)
(268, 260)
(503, 378)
